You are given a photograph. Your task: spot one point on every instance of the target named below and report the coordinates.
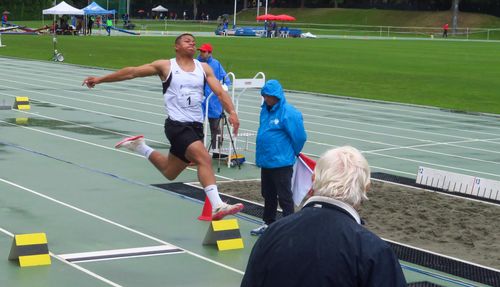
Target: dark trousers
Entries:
(215, 126)
(276, 186)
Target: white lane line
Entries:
(383, 143)
(294, 95)
(401, 158)
(114, 88)
(362, 115)
(453, 144)
(86, 271)
(90, 111)
(392, 106)
(255, 122)
(125, 253)
(434, 164)
(319, 99)
(81, 100)
(119, 225)
(98, 145)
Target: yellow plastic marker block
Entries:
(34, 260)
(22, 103)
(31, 238)
(30, 249)
(227, 224)
(22, 121)
(225, 234)
(230, 244)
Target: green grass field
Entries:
(454, 75)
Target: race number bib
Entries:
(189, 97)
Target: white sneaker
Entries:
(131, 143)
(259, 230)
(225, 210)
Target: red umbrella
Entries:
(284, 17)
(266, 17)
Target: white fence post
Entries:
(1, 46)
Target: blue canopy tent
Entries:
(95, 9)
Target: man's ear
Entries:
(368, 187)
(311, 191)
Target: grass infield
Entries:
(448, 74)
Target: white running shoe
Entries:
(225, 210)
(131, 143)
(259, 230)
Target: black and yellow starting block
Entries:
(30, 249)
(22, 103)
(225, 234)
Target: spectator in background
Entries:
(280, 138)
(4, 20)
(214, 106)
(445, 30)
(98, 21)
(90, 23)
(225, 27)
(79, 24)
(109, 24)
(325, 243)
(267, 29)
(73, 21)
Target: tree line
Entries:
(32, 9)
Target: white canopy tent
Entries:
(159, 8)
(62, 8)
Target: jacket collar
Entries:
(323, 201)
(203, 60)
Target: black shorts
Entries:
(181, 135)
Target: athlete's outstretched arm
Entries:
(223, 96)
(128, 73)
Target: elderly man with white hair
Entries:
(325, 243)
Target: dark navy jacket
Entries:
(322, 245)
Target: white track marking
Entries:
(118, 225)
(86, 271)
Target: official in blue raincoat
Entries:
(280, 139)
(214, 105)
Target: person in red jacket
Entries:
(445, 30)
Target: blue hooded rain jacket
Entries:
(281, 135)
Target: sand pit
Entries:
(456, 227)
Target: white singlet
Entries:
(183, 93)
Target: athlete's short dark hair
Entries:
(182, 35)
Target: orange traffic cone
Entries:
(206, 214)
